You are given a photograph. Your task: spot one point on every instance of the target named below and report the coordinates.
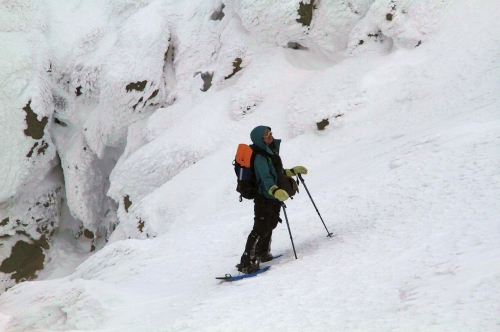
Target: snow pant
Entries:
(266, 218)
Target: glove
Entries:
(280, 194)
(296, 170)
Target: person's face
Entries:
(267, 137)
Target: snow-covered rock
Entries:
(120, 120)
(29, 195)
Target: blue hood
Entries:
(256, 137)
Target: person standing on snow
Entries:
(274, 185)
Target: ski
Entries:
(274, 257)
(229, 277)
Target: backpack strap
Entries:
(258, 150)
(275, 158)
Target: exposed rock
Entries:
(236, 67)
(35, 128)
(138, 86)
(306, 12)
(207, 80)
(59, 122)
(127, 202)
(154, 94)
(138, 102)
(321, 125)
(88, 234)
(25, 259)
(140, 225)
(218, 14)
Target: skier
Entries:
(274, 185)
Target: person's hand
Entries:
(296, 170)
(280, 194)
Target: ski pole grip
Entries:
(300, 177)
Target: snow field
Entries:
(407, 180)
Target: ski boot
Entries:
(266, 257)
(246, 265)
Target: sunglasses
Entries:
(269, 133)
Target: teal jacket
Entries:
(265, 172)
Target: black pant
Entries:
(266, 218)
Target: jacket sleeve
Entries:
(262, 172)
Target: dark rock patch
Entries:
(140, 225)
(35, 128)
(236, 67)
(88, 234)
(154, 94)
(306, 13)
(207, 80)
(42, 242)
(218, 14)
(127, 202)
(389, 16)
(59, 122)
(138, 86)
(42, 148)
(321, 125)
(32, 150)
(25, 259)
(138, 102)
(378, 37)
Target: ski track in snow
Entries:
(407, 181)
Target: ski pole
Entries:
(289, 232)
(301, 179)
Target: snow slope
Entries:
(406, 176)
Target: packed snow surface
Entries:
(406, 176)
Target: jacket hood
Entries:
(256, 137)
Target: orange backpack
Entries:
(243, 167)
